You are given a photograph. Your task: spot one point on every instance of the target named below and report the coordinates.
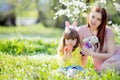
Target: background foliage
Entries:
(34, 57)
(45, 11)
(28, 52)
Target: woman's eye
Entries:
(99, 19)
(93, 17)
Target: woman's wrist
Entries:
(92, 53)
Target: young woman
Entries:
(109, 54)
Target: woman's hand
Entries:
(87, 50)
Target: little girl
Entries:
(69, 50)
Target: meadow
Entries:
(29, 53)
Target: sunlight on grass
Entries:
(43, 67)
(36, 59)
(37, 30)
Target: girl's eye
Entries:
(67, 39)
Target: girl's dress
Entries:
(84, 32)
(73, 62)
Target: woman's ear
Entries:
(74, 24)
(67, 24)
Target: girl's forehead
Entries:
(72, 38)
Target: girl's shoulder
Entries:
(77, 50)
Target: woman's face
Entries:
(94, 19)
(70, 42)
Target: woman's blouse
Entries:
(85, 32)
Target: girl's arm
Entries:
(64, 57)
(84, 60)
(66, 54)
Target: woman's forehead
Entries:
(96, 14)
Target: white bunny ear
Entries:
(67, 24)
(74, 24)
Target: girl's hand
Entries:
(68, 49)
(67, 52)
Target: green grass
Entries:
(44, 67)
(28, 53)
(33, 31)
(28, 47)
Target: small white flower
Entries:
(71, 72)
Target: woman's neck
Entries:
(93, 31)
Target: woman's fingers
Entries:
(87, 50)
(84, 48)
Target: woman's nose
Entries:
(94, 20)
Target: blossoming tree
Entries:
(76, 10)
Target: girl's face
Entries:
(70, 42)
(95, 19)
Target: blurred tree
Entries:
(113, 14)
(17, 10)
(71, 10)
(59, 22)
(7, 13)
(43, 9)
(76, 10)
(46, 10)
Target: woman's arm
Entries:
(110, 47)
(101, 55)
(81, 31)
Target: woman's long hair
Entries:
(102, 26)
(70, 34)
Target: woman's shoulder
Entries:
(108, 28)
(82, 28)
(109, 31)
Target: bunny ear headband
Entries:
(67, 25)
